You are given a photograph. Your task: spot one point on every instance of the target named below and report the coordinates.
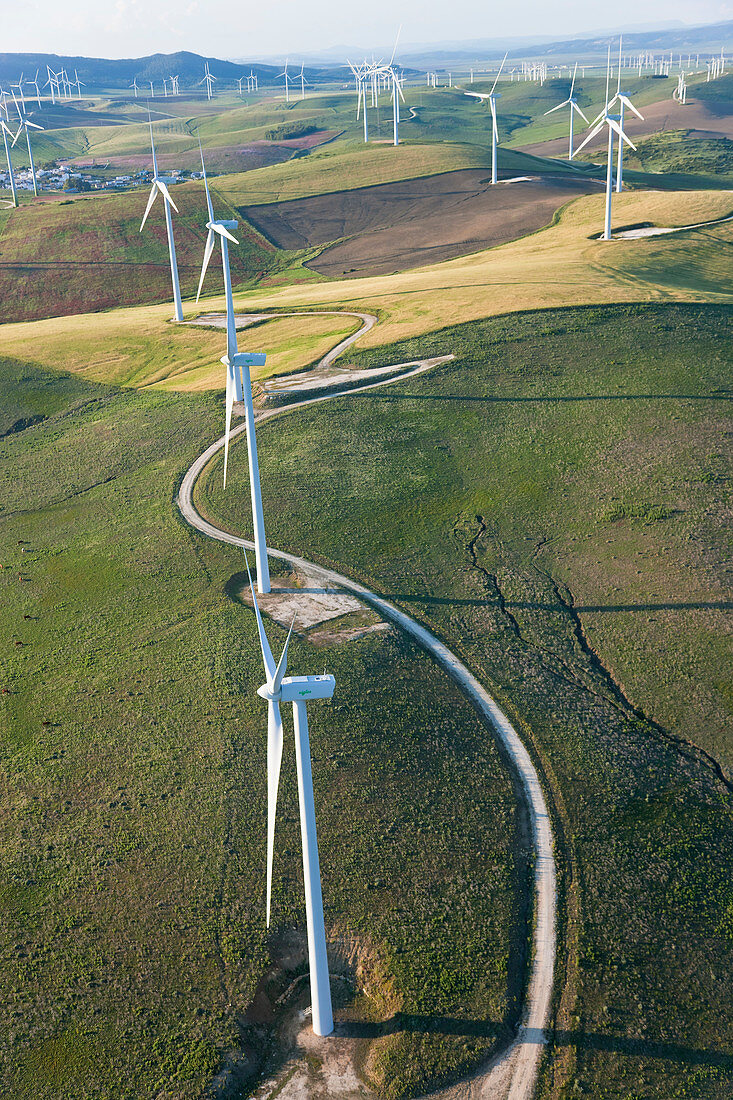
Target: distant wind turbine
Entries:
(287, 81)
(159, 185)
(26, 125)
(612, 122)
(134, 86)
(492, 97)
(7, 132)
(298, 690)
(239, 382)
(303, 81)
(573, 107)
(208, 79)
(623, 99)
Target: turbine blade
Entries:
(224, 232)
(615, 126)
(394, 51)
(267, 658)
(594, 132)
(210, 242)
(166, 194)
(572, 86)
(552, 109)
(282, 664)
(151, 200)
(206, 185)
(274, 761)
(582, 115)
(500, 70)
(627, 102)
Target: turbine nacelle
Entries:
(296, 689)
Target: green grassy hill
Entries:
(132, 889)
(553, 503)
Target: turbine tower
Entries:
(159, 185)
(239, 382)
(287, 80)
(573, 107)
(278, 689)
(8, 132)
(26, 125)
(303, 81)
(612, 122)
(623, 99)
(208, 79)
(492, 97)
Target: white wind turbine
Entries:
(297, 690)
(623, 99)
(159, 185)
(134, 86)
(239, 382)
(7, 132)
(78, 83)
(303, 81)
(27, 125)
(612, 121)
(208, 79)
(492, 97)
(287, 80)
(573, 107)
(52, 83)
(34, 84)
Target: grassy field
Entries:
(136, 347)
(132, 889)
(87, 253)
(555, 504)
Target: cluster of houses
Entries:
(71, 180)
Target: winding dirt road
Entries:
(512, 1074)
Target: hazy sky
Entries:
(225, 28)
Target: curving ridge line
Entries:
(512, 1075)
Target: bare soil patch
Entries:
(397, 226)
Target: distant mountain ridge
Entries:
(98, 72)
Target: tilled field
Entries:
(397, 226)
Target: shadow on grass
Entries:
(519, 605)
(550, 400)
(488, 1029)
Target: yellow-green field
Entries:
(139, 347)
(558, 266)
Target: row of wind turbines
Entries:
(613, 122)
(278, 688)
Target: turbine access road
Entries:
(512, 1074)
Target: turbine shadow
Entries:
(490, 1029)
(519, 605)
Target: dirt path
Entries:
(513, 1074)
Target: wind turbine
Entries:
(34, 84)
(8, 132)
(159, 185)
(134, 86)
(297, 690)
(623, 99)
(79, 84)
(612, 121)
(152, 89)
(303, 81)
(287, 78)
(397, 95)
(239, 382)
(208, 79)
(492, 97)
(573, 107)
(26, 125)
